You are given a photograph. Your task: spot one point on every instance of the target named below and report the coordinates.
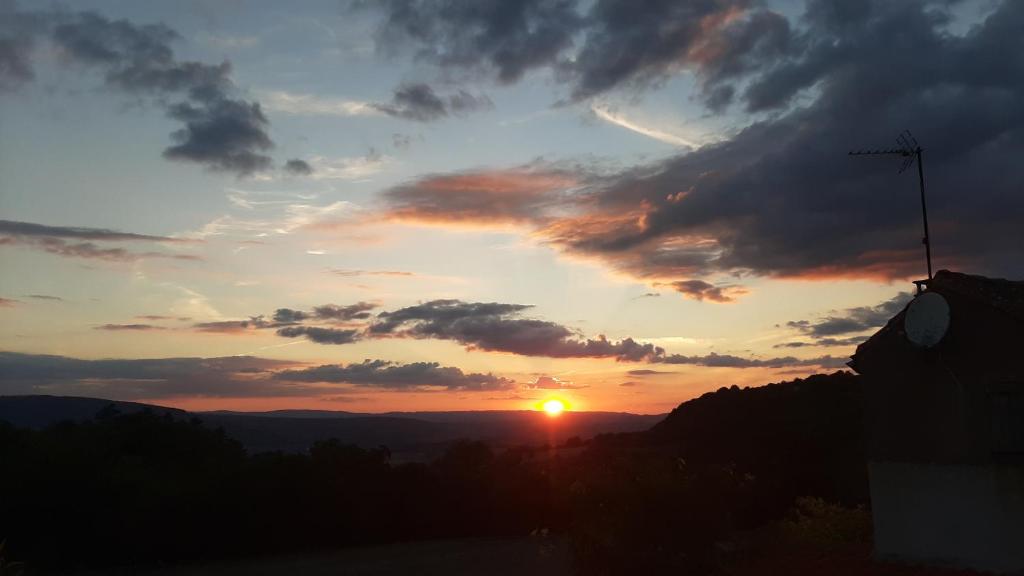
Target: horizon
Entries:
(372, 208)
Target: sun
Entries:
(553, 407)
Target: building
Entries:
(944, 414)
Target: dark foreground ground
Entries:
(534, 556)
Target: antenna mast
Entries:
(910, 151)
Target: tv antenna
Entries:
(910, 151)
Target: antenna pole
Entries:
(910, 151)
(924, 212)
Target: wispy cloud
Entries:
(81, 242)
(605, 113)
(311, 105)
(348, 168)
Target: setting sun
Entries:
(554, 407)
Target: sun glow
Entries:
(553, 407)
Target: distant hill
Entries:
(40, 411)
(409, 435)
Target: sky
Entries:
(449, 205)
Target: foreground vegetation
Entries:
(143, 490)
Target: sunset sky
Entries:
(442, 205)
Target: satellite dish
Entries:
(927, 320)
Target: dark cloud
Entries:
(232, 326)
(289, 316)
(221, 130)
(781, 198)
(130, 327)
(630, 384)
(498, 328)
(419, 102)
(357, 311)
(646, 372)
(851, 341)
(122, 379)
(714, 360)
(18, 31)
(851, 321)
(701, 290)
(289, 323)
(298, 167)
(68, 241)
(224, 135)
(463, 102)
(393, 376)
(12, 228)
(44, 297)
(320, 335)
(415, 102)
(592, 47)
(503, 37)
(716, 39)
(647, 295)
(793, 345)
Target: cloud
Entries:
(492, 36)
(311, 105)
(486, 326)
(497, 327)
(851, 321)
(393, 376)
(349, 168)
(714, 360)
(298, 167)
(12, 228)
(516, 195)
(701, 290)
(219, 129)
(289, 316)
(129, 327)
(357, 311)
(592, 47)
(646, 372)
(18, 31)
(8, 303)
(419, 102)
(320, 335)
(463, 102)
(608, 115)
(139, 379)
(355, 273)
(231, 326)
(780, 198)
(44, 297)
(80, 242)
(552, 383)
(630, 384)
(415, 102)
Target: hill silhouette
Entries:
(142, 488)
(410, 436)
